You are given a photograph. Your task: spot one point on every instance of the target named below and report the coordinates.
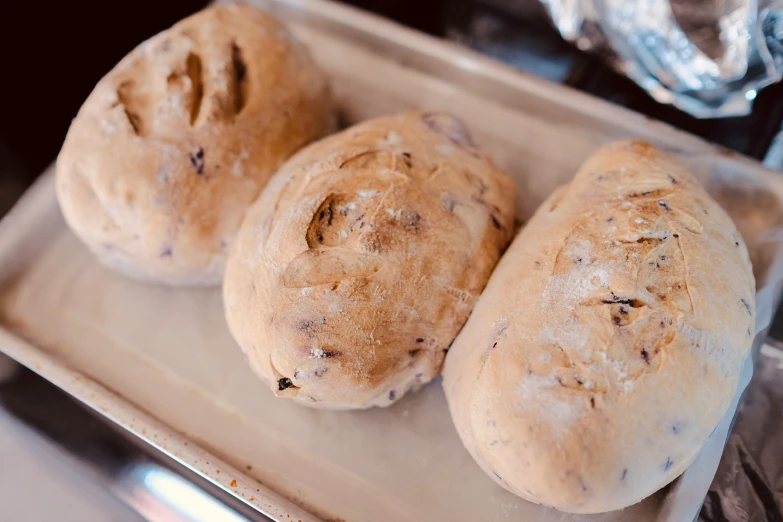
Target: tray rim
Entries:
(476, 63)
(179, 447)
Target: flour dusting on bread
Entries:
(357, 221)
(629, 307)
(177, 140)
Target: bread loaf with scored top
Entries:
(363, 258)
(176, 141)
(609, 340)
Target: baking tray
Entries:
(160, 361)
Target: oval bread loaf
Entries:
(362, 259)
(174, 143)
(609, 340)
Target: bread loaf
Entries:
(362, 259)
(608, 342)
(175, 142)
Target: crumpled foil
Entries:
(749, 482)
(707, 57)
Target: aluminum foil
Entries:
(749, 483)
(707, 57)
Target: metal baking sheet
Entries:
(160, 361)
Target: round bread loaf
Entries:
(362, 259)
(172, 145)
(609, 340)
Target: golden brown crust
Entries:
(609, 340)
(180, 137)
(361, 261)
